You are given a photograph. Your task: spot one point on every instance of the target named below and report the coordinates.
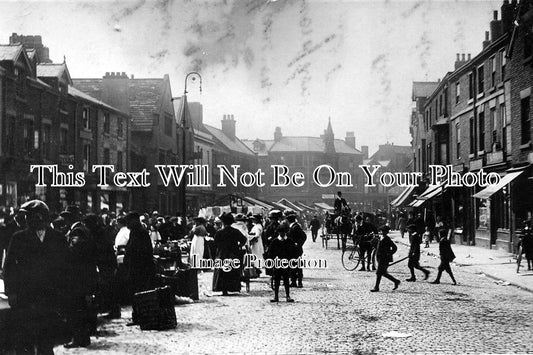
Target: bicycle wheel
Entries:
(350, 258)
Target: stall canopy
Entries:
(492, 189)
(429, 193)
(291, 205)
(324, 206)
(403, 197)
(305, 207)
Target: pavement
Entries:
(496, 264)
(335, 312)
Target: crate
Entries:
(155, 309)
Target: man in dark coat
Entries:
(315, 226)
(414, 253)
(271, 229)
(363, 231)
(229, 243)
(340, 203)
(17, 223)
(282, 247)
(446, 257)
(298, 236)
(385, 250)
(35, 280)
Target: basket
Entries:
(154, 309)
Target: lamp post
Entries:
(184, 128)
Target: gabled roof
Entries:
(144, 99)
(423, 88)
(233, 145)
(144, 95)
(53, 71)
(9, 51)
(77, 93)
(309, 144)
(31, 53)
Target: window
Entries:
(492, 64)
(481, 118)
(106, 156)
(28, 137)
(120, 164)
(86, 157)
(525, 119)
(120, 128)
(470, 85)
(168, 125)
(20, 84)
(85, 117)
(46, 140)
(446, 101)
(457, 92)
(528, 44)
(495, 127)
(429, 154)
(503, 126)
(63, 140)
(440, 105)
(107, 122)
(10, 135)
(472, 136)
(458, 140)
(503, 61)
(480, 80)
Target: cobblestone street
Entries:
(336, 313)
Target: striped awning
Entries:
(398, 201)
(429, 193)
(492, 189)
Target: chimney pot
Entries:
(106, 73)
(469, 56)
(495, 14)
(132, 76)
(124, 74)
(486, 35)
(464, 57)
(458, 57)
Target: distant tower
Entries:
(329, 139)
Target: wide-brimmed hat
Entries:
(227, 218)
(240, 217)
(36, 206)
(291, 218)
(71, 211)
(274, 213)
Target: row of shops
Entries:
(489, 217)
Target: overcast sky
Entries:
(281, 63)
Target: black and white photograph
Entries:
(266, 177)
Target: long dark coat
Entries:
(228, 244)
(297, 235)
(139, 260)
(386, 248)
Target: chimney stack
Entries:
(460, 61)
(228, 126)
(364, 150)
(277, 134)
(507, 16)
(115, 91)
(350, 139)
(495, 27)
(486, 42)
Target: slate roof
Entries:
(50, 70)
(309, 144)
(423, 88)
(9, 51)
(233, 145)
(264, 150)
(144, 97)
(77, 93)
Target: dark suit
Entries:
(385, 250)
(298, 236)
(36, 283)
(283, 249)
(414, 256)
(228, 243)
(446, 257)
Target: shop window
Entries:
(482, 213)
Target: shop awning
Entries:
(304, 206)
(259, 203)
(492, 189)
(323, 206)
(429, 193)
(398, 201)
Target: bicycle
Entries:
(351, 255)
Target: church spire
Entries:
(329, 139)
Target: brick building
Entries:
(305, 154)
(477, 118)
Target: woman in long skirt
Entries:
(230, 244)
(199, 233)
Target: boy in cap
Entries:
(386, 248)
(282, 247)
(414, 253)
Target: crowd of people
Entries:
(64, 269)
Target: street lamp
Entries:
(184, 159)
